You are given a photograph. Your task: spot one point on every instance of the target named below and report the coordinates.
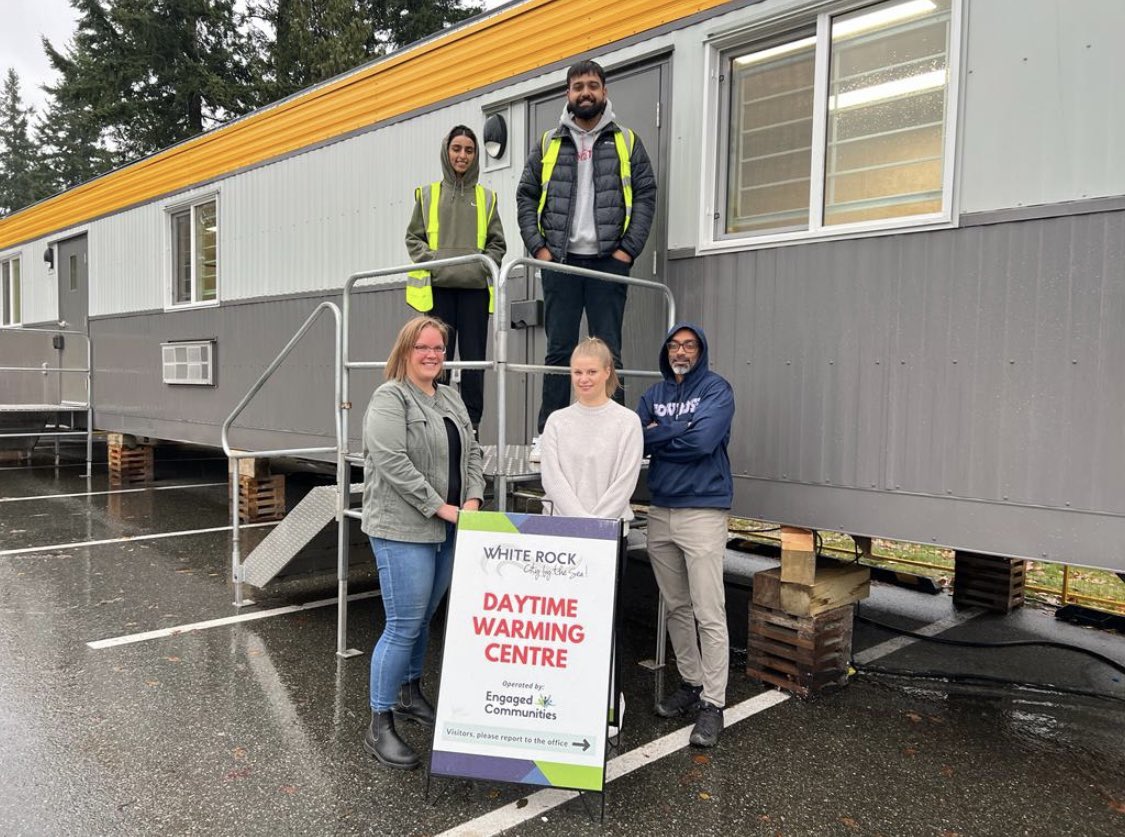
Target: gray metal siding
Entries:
(1044, 118)
(294, 409)
(981, 364)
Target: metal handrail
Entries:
(236, 456)
(391, 282)
(503, 366)
(89, 373)
(503, 332)
(342, 379)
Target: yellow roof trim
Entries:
(471, 57)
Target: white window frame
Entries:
(716, 129)
(170, 211)
(17, 320)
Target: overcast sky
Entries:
(20, 48)
(22, 22)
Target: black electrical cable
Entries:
(982, 678)
(1013, 643)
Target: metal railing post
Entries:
(343, 491)
(89, 405)
(500, 344)
(235, 536)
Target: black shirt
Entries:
(453, 494)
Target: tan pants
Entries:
(686, 549)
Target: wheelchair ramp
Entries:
(296, 530)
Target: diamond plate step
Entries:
(289, 537)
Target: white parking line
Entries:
(100, 644)
(27, 550)
(114, 491)
(539, 803)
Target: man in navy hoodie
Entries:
(687, 419)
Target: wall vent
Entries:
(189, 362)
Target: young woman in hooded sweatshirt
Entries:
(467, 221)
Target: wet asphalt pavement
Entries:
(255, 728)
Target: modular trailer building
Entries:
(901, 223)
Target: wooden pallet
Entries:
(128, 466)
(987, 581)
(261, 498)
(801, 654)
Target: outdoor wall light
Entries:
(495, 136)
(49, 258)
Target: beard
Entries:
(681, 368)
(587, 110)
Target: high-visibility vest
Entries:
(419, 288)
(623, 141)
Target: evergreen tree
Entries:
(396, 23)
(150, 73)
(313, 40)
(21, 183)
(71, 148)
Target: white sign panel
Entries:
(525, 672)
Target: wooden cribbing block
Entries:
(798, 555)
(837, 584)
(801, 654)
(252, 467)
(130, 465)
(261, 498)
(767, 588)
(988, 581)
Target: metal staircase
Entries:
(505, 463)
(296, 530)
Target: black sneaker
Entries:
(708, 725)
(683, 701)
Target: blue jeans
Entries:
(565, 296)
(413, 578)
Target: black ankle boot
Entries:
(412, 704)
(383, 742)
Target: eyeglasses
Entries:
(689, 346)
(430, 350)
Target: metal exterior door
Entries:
(73, 307)
(637, 95)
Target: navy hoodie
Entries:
(690, 467)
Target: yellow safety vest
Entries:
(419, 289)
(550, 147)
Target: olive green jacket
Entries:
(406, 461)
(457, 229)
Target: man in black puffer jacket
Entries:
(588, 218)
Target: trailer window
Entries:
(11, 307)
(840, 124)
(195, 253)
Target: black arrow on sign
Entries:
(584, 744)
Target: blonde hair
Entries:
(404, 344)
(596, 348)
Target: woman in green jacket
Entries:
(422, 465)
(463, 220)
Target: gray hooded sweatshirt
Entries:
(583, 239)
